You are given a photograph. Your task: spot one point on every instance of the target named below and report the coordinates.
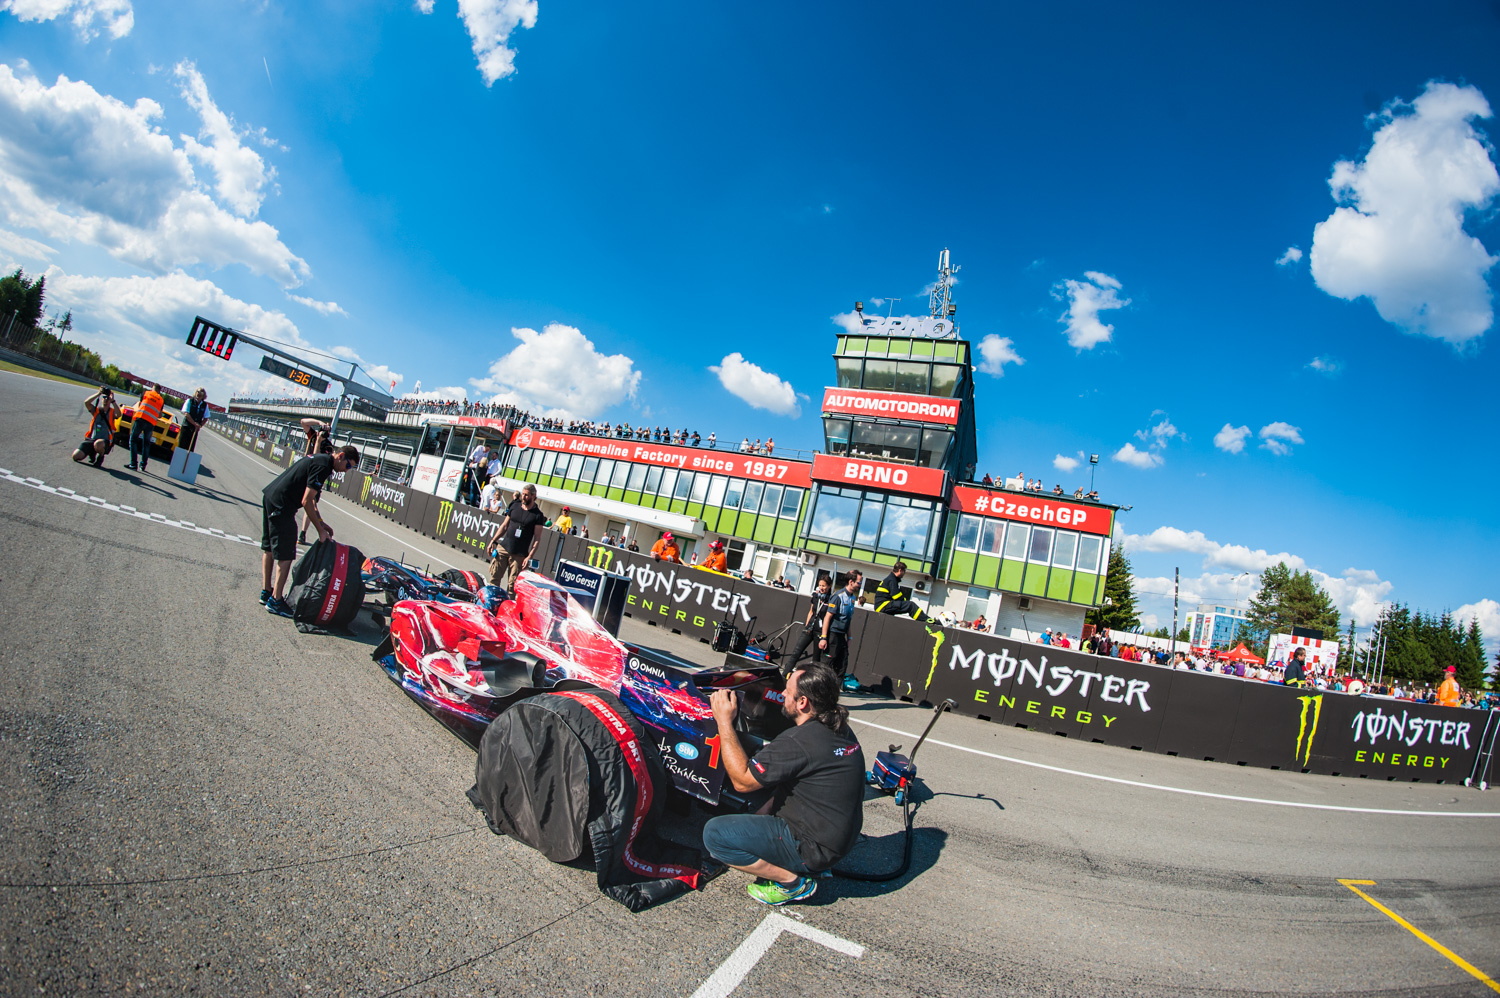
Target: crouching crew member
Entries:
(298, 487)
(818, 775)
(888, 598)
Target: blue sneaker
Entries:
(278, 607)
(774, 894)
(265, 594)
(850, 685)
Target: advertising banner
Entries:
(678, 597)
(858, 473)
(449, 478)
(425, 477)
(1322, 655)
(893, 405)
(464, 527)
(1032, 509)
(719, 462)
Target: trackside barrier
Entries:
(1057, 691)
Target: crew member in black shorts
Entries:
(298, 487)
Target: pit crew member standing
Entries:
(716, 561)
(888, 598)
(298, 487)
(317, 443)
(143, 430)
(1449, 693)
(812, 627)
(666, 549)
(96, 443)
(818, 774)
(194, 415)
(515, 539)
(834, 639)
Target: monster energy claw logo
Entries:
(600, 557)
(1316, 705)
(445, 515)
(364, 495)
(938, 637)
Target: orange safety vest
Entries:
(667, 552)
(150, 406)
(1448, 692)
(717, 562)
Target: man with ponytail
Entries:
(817, 774)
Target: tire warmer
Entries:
(622, 798)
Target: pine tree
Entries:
(1119, 592)
(1288, 599)
(1471, 657)
(22, 296)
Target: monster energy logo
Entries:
(1316, 705)
(600, 557)
(364, 495)
(937, 642)
(445, 514)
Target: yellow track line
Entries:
(1466, 965)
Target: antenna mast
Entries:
(940, 301)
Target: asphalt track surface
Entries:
(197, 799)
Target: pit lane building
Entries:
(889, 485)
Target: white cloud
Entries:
(1358, 592)
(1066, 464)
(240, 173)
(26, 249)
(849, 322)
(378, 374)
(321, 307)
(1279, 437)
(559, 373)
(140, 323)
(490, 23)
(1326, 365)
(1398, 236)
(758, 387)
(1487, 612)
(1291, 256)
(995, 352)
(1158, 435)
(1231, 439)
(117, 16)
(1086, 299)
(1143, 459)
(425, 6)
(80, 166)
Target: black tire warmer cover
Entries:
(573, 771)
(326, 591)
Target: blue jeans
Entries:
(141, 433)
(741, 839)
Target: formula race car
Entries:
(468, 662)
(399, 581)
(168, 429)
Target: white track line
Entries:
(732, 971)
(1183, 790)
(131, 511)
(407, 541)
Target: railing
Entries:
(50, 348)
(378, 456)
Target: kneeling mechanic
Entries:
(818, 774)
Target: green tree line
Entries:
(24, 298)
(1419, 647)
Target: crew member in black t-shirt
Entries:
(811, 628)
(818, 774)
(298, 487)
(515, 540)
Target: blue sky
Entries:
(647, 193)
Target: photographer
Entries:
(818, 772)
(100, 437)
